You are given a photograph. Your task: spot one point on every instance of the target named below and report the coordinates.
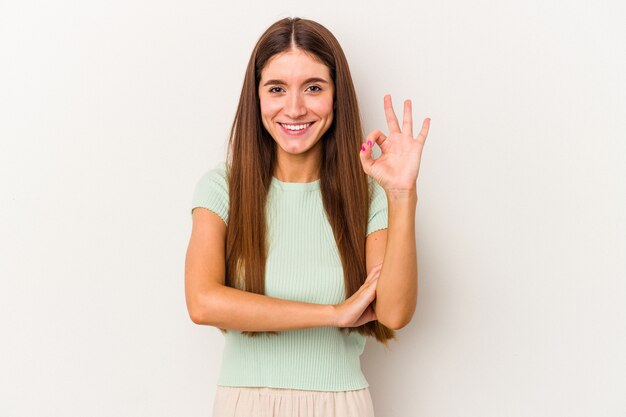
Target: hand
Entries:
(357, 310)
(396, 169)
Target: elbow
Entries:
(196, 316)
(195, 313)
(395, 324)
(197, 310)
(397, 320)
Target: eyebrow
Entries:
(308, 80)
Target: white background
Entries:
(111, 111)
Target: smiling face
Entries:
(296, 100)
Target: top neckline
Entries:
(295, 186)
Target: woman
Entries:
(320, 251)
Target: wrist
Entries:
(401, 194)
(331, 315)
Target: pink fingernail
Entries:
(362, 148)
(369, 143)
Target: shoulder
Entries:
(218, 174)
(378, 198)
(211, 191)
(378, 211)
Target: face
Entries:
(296, 100)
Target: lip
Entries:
(296, 132)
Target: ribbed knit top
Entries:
(303, 264)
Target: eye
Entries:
(275, 89)
(315, 88)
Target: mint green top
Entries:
(303, 264)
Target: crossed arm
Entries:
(210, 302)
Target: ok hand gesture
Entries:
(396, 169)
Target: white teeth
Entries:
(295, 127)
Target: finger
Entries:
(369, 292)
(424, 131)
(372, 273)
(371, 278)
(392, 121)
(375, 269)
(364, 290)
(375, 136)
(369, 286)
(365, 155)
(407, 119)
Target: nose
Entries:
(295, 106)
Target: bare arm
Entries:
(212, 303)
(396, 295)
(396, 171)
(230, 308)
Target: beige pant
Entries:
(279, 402)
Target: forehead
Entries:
(294, 65)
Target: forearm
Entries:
(396, 291)
(230, 308)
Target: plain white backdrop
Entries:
(111, 111)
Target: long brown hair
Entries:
(251, 159)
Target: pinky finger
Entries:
(421, 137)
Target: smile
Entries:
(295, 127)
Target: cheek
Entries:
(268, 108)
(323, 108)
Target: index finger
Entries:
(392, 121)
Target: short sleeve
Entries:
(211, 192)
(378, 212)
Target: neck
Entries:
(298, 168)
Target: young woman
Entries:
(303, 244)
